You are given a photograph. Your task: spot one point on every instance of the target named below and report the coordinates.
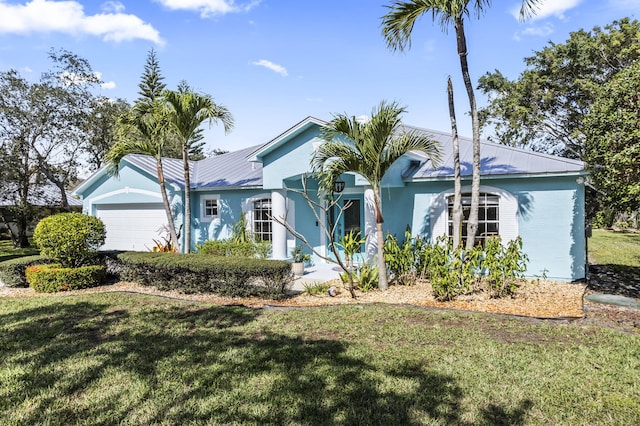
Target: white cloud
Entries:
(208, 8)
(273, 67)
(539, 31)
(68, 17)
(548, 8)
(107, 85)
(27, 69)
(113, 7)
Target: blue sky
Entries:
(274, 62)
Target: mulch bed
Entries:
(535, 299)
(541, 299)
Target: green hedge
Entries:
(198, 273)
(12, 272)
(52, 278)
(259, 249)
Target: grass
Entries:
(129, 359)
(7, 251)
(615, 248)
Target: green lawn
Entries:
(7, 251)
(614, 248)
(130, 359)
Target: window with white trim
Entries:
(262, 219)
(488, 216)
(210, 208)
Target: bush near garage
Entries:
(198, 273)
(71, 239)
(12, 272)
(53, 278)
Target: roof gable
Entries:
(284, 137)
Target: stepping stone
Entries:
(613, 299)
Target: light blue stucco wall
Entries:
(231, 205)
(550, 219)
(289, 159)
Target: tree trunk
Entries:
(383, 283)
(457, 184)
(472, 226)
(187, 200)
(173, 236)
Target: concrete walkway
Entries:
(316, 274)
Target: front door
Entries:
(351, 218)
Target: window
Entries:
(210, 208)
(262, 219)
(488, 216)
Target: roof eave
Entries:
(499, 176)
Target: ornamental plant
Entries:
(70, 239)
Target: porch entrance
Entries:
(351, 219)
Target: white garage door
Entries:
(132, 226)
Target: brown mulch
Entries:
(541, 299)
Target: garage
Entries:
(132, 226)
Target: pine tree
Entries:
(151, 85)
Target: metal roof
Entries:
(496, 159)
(172, 167)
(46, 195)
(243, 168)
(226, 170)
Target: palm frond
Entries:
(368, 148)
(529, 8)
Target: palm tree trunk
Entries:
(383, 283)
(457, 185)
(472, 226)
(167, 207)
(187, 201)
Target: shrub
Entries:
(504, 266)
(112, 263)
(453, 272)
(52, 278)
(261, 249)
(71, 239)
(12, 272)
(402, 260)
(316, 288)
(368, 277)
(193, 273)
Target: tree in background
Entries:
(42, 132)
(544, 108)
(369, 148)
(397, 26)
(187, 111)
(151, 84)
(612, 134)
(100, 129)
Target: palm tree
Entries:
(369, 148)
(457, 181)
(144, 134)
(397, 26)
(187, 111)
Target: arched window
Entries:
(262, 219)
(488, 216)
